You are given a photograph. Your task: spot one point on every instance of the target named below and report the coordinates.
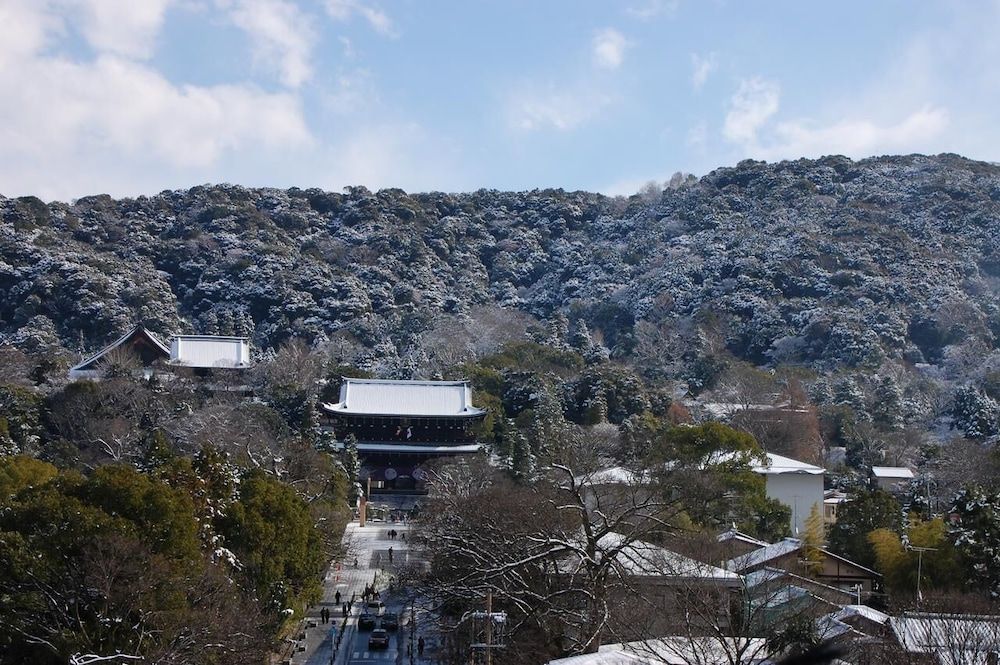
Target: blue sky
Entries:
(131, 97)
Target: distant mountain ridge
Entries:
(832, 264)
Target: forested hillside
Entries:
(874, 282)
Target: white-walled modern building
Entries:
(796, 484)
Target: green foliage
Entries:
(530, 356)
(271, 530)
(18, 473)
(20, 413)
(901, 563)
(164, 515)
(863, 512)
(296, 406)
(606, 392)
(711, 466)
(975, 533)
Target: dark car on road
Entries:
(390, 621)
(379, 639)
(366, 621)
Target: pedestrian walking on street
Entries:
(322, 615)
(336, 597)
(420, 647)
(344, 609)
(390, 555)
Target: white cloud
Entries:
(124, 27)
(281, 35)
(24, 29)
(750, 107)
(343, 10)
(108, 123)
(859, 137)
(562, 109)
(701, 67)
(652, 8)
(609, 48)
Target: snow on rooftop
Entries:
(763, 555)
(206, 351)
(778, 464)
(956, 639)
(900, 472)
(863, 611)
(736, 534)
(615, 475)
(672, 651)
(381, 397)
(642, 558)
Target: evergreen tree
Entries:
(550, 432)
(976, 414)
(887, 408)
(975, 532)
(352, 466)
(864, 512)
(848, 393)
(522, 459)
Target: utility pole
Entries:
(413, 629)
(488, 632)
(920, 560)
(489, 627)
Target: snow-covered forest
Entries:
(876, 280)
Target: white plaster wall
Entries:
(798, 491)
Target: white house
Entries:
(796, 484)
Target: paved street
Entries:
(369, 546)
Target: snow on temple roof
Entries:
(138, 334)
(379, 397)
(777, 464)
(900, 472)
(205, 351)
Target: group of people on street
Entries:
(371, 593)
(324, 614)
(393, 534)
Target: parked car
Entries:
(379, 639)
(366, 621)
(390, 621)
(376, 607)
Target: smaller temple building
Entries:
(150, 355)
(401, 424)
